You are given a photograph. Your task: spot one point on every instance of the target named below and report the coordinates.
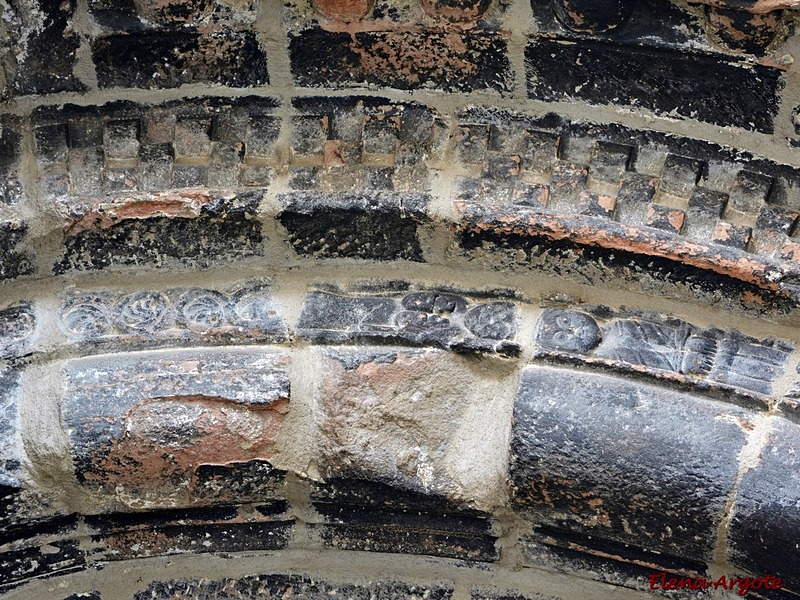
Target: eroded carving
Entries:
(245, 312)
(664, 348)
(424, 318)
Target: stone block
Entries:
(776, 219)
(450, 59)
(376, 226)
(634, 197)
(10, 146)
(16, 259)
(408, 417)
(762, 536)
(10, 437)
(624, 462)
(665, 217)
(373, 517)
(420, 318)
(124, 536)
(750, 191)
(246, 313)
(17, 328)
(741, 93)
(610, 161)
(142, 427)
(48, 52)
(680, 175)
(192, 229)
(289, 587)
(732, 235)
(168, 59)
(665, 348)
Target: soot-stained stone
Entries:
(403, 417)
(84, 596)
(10, 438)
(157, 533)
(591, 16)
(15, 260)
(602, 251)
(665, 348)
(444, 58)
(17, 327)
(141, 427)
(680, 175)
(172, 58)
(740, 94)
(10, 184)
(245, 313)
(623, 461)
(49, 54)
(732, 235)
(777, 219)
(376, 517)
(368, 226)
(289, 587)
(665, 217)
(707, 204)
(425, 318)
(620, 565)
(741, 30)
(609, 161)
(56, 557)
(221, 229)
(750, 191)
(766, 519)
(486, 594)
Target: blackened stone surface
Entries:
(10, 440)
(56, 557)
(367, 226)
(49, 49)
(84, 596)
(592, 16)
(449, 59)
(624, 462)
(225, 229)
(425, 318)
(13, 262)
(608, 562)
(218, 408)
(364, 515)
(242, 314)
(740, 94)
(170, 59)
(17, 328)
(155, 533)
(666, 348)
(10, 139)
(288, 587)
(763, 532)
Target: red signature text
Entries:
(742, 585)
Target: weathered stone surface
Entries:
(407, 418)
(425, 318)
(664, 348)
(17, 328)
(741, 94)
(762, 535)
(10, 438)
(596, 250)
(414, 57)
(10, 145)
(376, 226)
(246, 313)
(17, 259)
(592, 16)
(170, 59)
(362, 515)
(84, 596)
(592, 558)
(145, 430)
(742, 31)
(622, 462)
(156, 533)
(124, 157)
(288, 587)
(46, 45)
(194, 230)
(57, 557)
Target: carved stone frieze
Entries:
(664, 348)
(245, 313)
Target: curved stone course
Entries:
(433, 300)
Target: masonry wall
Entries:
(426, 299)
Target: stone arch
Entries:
(489, 300)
